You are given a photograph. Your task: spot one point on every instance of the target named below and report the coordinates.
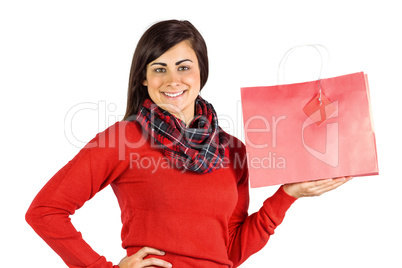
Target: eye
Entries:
(183, 68)
(160, 70)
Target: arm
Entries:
(92, 169)
(249, 234)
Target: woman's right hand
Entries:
(137, 260)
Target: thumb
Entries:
(123, 261)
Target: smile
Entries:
(174, 95)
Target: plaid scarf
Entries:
(200, 147)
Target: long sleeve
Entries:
(249, 234)
(93, 168)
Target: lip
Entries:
(173, 95)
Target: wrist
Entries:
(289, 189)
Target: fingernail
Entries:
(162, 252)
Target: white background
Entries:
(56, 55)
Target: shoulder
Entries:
(120, 133)
(237, 155)
(234, 144)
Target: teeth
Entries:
(173, 95)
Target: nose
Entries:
(173, 79)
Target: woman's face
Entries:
(173, 81)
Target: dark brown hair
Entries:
(158, 39)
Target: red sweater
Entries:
(199, 220)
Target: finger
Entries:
(332, 186)
(329, 182)
(324, 185)
(348, 178)
(145, 251)
(322, 182)
(156, 262)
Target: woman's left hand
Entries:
(314, 188)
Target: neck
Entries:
(185, 118)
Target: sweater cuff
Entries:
(102, 263)
(279, 203)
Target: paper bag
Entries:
(309, 131)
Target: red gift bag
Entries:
(309, 131)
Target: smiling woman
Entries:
(164, 37)
(182, 193)
(173, 81)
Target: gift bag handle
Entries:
(318, 47)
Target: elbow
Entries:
(42, 217)
(32, 216)
(38, 217)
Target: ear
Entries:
(145, 83)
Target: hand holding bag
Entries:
(309, 131)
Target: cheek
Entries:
(154, 82)
(194, 79)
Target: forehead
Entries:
(182, 50)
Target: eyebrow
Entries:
(177, 63)
(181, 61)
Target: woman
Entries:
(181, 181)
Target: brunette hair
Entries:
(159, 38)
